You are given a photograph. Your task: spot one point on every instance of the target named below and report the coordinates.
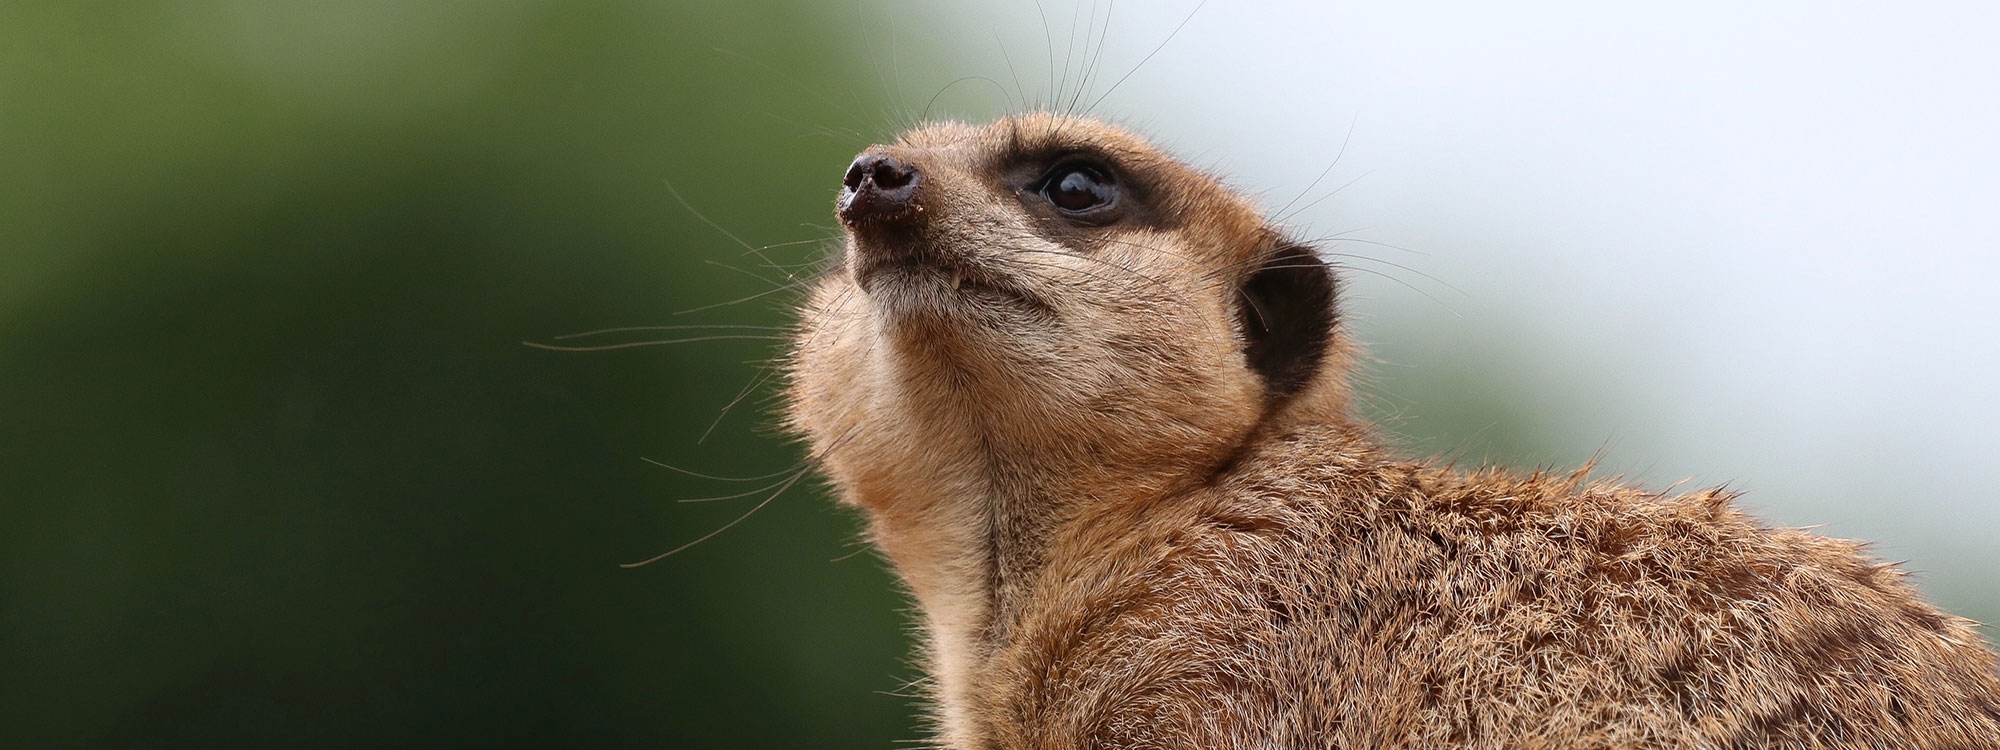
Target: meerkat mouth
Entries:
(933, 285)
(911, 261)
(933, 276)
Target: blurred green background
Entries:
(276, 470)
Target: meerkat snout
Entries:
(1095, 409)
(878, 187)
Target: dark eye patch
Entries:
(1073, 191)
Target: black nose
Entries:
(879, 188)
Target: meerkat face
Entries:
(1052, 287)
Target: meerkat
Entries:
(1095, 410)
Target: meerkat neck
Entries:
(964, 557)
(969, 538)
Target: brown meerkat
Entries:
(1094, 408)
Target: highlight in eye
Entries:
(1080, 189)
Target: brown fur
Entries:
(1120, 535)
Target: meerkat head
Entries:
(1048, 296)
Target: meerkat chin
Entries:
(1095, 410)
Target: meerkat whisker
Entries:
(699, 475)
(1148, 58)
(804, 468)
(749, 273)
(725, 527)
(1323, 198)
(688, 327)
(749, 298)
(763, 376)
(654, 342)
(1344, 140)
(711, 222)
(719, 498)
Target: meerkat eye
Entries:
(1079, 189)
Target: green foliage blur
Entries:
(277, 471)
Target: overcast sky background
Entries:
(1742, 244)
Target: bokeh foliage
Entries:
(276, 469)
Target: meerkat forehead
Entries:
(1023, 137)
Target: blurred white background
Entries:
(1742, 244)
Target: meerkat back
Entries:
(1094, 409)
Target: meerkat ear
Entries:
(1287, 315)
